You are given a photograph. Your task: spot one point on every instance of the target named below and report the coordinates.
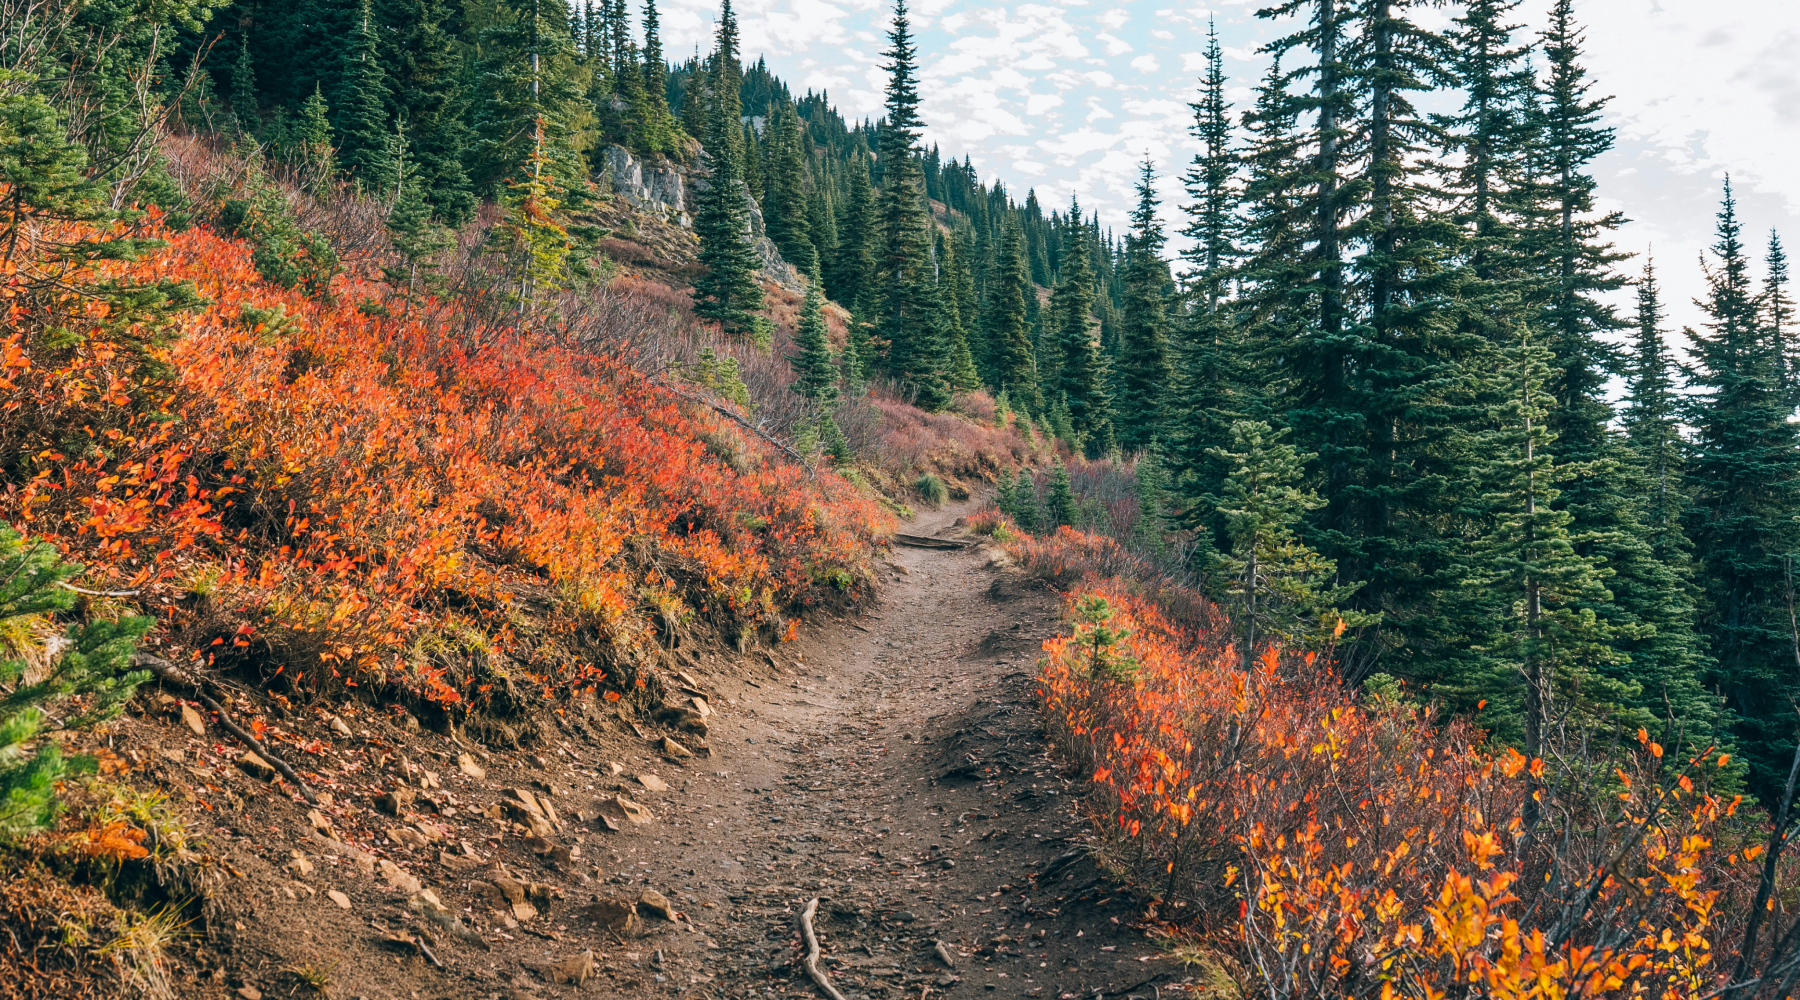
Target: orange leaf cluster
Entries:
(316, 484)
(1351, 847)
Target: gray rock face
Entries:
(658, 188)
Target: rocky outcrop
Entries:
(655, 187)
(774, 267)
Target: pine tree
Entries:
(1080, 386)
(1778, 308)
(1527, 570)
(1210, 181)
(785, 205)
(815, 372)
(726, 292)
(850, 274)
(532, 101)
(656, 130)
(94, 662)
(1143, 368)
(1745, 477)
(1061, 499)
(367, 138)
(411, 228)
(1007, 333)
(421, 59)
(1277, 589)
(918, 354)
(244, 106)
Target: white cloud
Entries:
(1145, 64)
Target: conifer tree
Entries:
(850, 274)
(1061, 498)
(726, 292)
(815, 372)
(1538, 586)
(1210, 181)
(918, 353)
(367, 138)
(785, 205)
(245, 108)
(93, 662)
(1143, 368)
(1744, 474)
(1278, 589)
(1778, 313)
(1007, 333)
(1081, 369)
(420, 56)
(532, 101)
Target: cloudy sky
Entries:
(1068, 97)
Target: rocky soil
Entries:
(889, 766)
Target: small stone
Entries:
(466, 764)
(249, 993)
(946, 981)
(947, 863)
(688, 679)
(406, 836)
(701, 706)
(299, 865)
(256, 767)
(540, 763)
(944, 954)
(616, 768)
(524, 911)
(575, 969)
(538, 845)
(457, 862)
(627, 810)
(674, 749)
(193, 720)
(339, 726)
(655, 902)
(905, 917)
(339, 898)
(653, 783)
(394, 802)
(397, 877)
(618, 915)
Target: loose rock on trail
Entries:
(889, 766)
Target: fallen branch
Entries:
(741, 422)
(97, 593)
(811, 959)
(170, 672)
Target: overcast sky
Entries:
(1068, 97)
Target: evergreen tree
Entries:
(1527, 571)
(1745, 477)
(1143, 369)
(533, 102)
(1081, 369)
(785, 205)
(850, 273)
(366, 136)
(1210, 181)
(1778, 308)
(1061, 500)
(413, 231)
(93, 662)
(726, 292)
(1014, 369)
(245, 107)
(815, 372)
(421, 59)
(1277, 589)
(918, 354)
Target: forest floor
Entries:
(890, 765)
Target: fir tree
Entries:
(726, 292)
(420, 56)
(785, 205)
(1210, 181)
(1278, 590)
(366, 136)
(918, 354)
(1061, 500)
(1143, 368)
(1007, 333)
(93, 662)
(244, 105)
(532, 101)
(850, 273)
(1778, 310)
(815, 373)
(1745, 477)
(1081, 369)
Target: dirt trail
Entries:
(889, 765)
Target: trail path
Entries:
(890, 767)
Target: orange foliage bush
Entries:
(1358, 846)
(330, 487)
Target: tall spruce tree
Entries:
(726, 292)
(367, 137)
(1778, 313)
(785, 205)
(918, 354)
(1082, 376)
(1744, 473)
(420, 56)
(850, 274)
(1007, 331)
(1143, 366)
